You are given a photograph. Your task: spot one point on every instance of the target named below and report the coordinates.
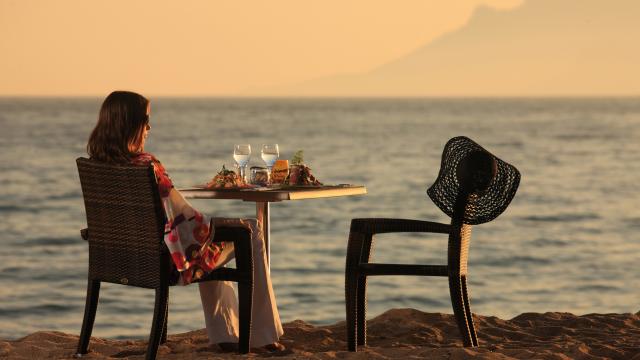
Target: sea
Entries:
(569, 241)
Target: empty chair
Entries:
(125, 228)
(473, 187)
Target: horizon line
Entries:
(275, 97)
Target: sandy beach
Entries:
(396, 334)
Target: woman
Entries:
(119, 137)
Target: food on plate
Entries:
(226, 179)
(280, 171)
(299, 173)
(298, 158)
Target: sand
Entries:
(396, 334)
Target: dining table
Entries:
(263, 196)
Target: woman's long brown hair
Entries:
(122, 118)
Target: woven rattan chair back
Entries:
(126, 222)
(125, 231)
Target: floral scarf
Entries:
(187, 232)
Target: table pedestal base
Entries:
(262, 214)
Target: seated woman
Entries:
(119, 137)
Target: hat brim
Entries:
(482, 206)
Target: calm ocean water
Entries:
(569, 241)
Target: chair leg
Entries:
(159, 313)
(467, 308)
(361, 314)
(244, 264)
(165, 333)
(351, 294)
(90, 307)
(361, 300)
(245, 299)
(358, 249)
(457, 301)
(163, 339)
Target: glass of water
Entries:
(242, 154)
(270, 154)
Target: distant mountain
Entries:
(543, 47)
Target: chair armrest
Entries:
(85, 234)
(228, 233)
(231, 234)
(372, 226)
(243, 247)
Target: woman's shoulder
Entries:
(144, 158)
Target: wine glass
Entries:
(270, 154)
(242, 154)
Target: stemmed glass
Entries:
(270, 154)
(242, 154)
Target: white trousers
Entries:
(220, 304)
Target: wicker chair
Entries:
(473, 187)
(126, 220)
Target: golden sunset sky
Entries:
(208, 47)
(237, 48)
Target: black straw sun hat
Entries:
(468, 169)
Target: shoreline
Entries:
(395, 334)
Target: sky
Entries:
(209, 47)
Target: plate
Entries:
(272, 187)
(294, 187)
(236, 188)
